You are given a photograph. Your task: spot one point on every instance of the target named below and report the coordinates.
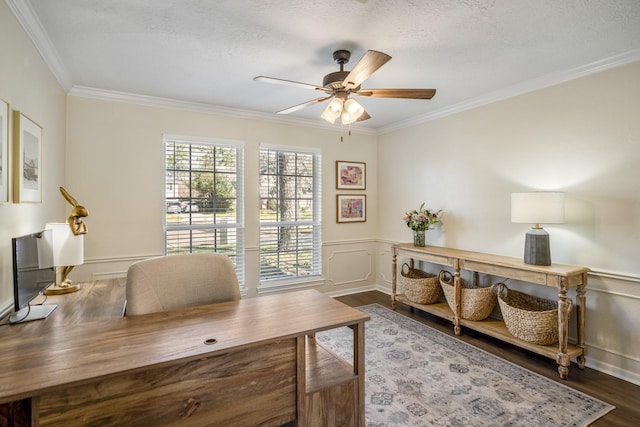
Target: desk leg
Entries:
(394, 274)
(358, 368)
(581, 311)
(301, 374)
(563, 359)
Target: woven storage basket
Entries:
(475, 303)
(529, 318)
(419, 287)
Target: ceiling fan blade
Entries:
(303, 105)
(289, 83)
(398, 93)
(368, 64)
(363, 117)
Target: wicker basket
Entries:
(529, 318)
(419, 287)
(475, 303)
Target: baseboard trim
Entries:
(614, 371)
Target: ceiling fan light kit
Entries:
(349, 110)
(340, 84)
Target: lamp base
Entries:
(536, 247)
(65, 287)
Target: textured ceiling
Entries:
(207, 52)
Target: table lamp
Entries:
(537, 208)
(68, 251)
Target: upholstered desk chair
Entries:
(177, 281)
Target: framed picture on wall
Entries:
(4, 151)
(350, 175)
(351, 208)
(27, 166)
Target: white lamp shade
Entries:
(45, 250)
(537, 207)
(67, 248)
(351, 112)
(333, 110)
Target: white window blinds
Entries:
(290, 226)
(203, 203)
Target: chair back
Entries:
(177, 281)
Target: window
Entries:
(203, 198)
(290, 243)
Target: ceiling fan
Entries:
(340, 84)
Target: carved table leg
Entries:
(581, 310)
(394, 273)
(563, 358)
(562, 370)
(582, 361)
(458, 297)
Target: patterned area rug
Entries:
(418, 376)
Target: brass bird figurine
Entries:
(77, 213)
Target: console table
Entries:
(248, 362)
(560, 276)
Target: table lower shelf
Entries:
(492, 327)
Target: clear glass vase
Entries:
(418, 237)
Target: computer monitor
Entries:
(33, 272)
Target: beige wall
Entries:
(581, 137)
(114, 153)
(28, 86)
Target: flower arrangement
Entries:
(421, 219)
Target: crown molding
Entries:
(519, 89)
(31, 24)
(152, 101)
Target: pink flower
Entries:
(421, 219)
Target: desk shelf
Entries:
(325, 369)
(331, 388)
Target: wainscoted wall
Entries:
(348, 266)
(613, 324)
(106, 268)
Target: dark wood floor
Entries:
(624, 395)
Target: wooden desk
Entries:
(559, 276)
(87, 365)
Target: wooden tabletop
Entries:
(497, 260)
(86, 338)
